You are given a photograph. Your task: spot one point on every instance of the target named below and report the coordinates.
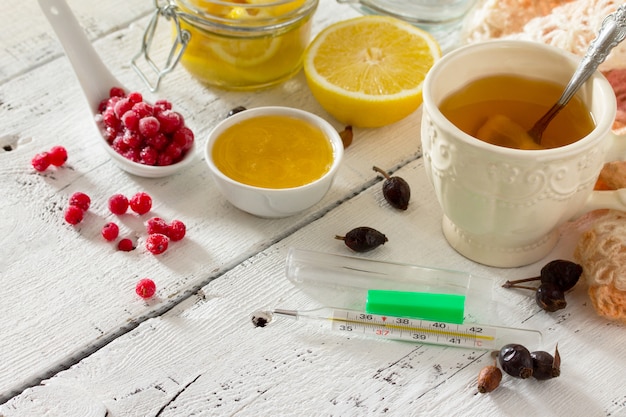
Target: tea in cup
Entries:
(503, 205)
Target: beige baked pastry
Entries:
(601, 251)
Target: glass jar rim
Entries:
(196, 16)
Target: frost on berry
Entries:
(125, 245)
(141, 203)
(145, 288)
(80, 200)
(110, 231)
(74, 215)
(176, 230)
(157, 225)
(118, 204)
(41, 161)
(57, 155)
(157, 243)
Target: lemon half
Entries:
(368, 71)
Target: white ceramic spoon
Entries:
(96, 81)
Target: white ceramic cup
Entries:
(502, 207)
(275, 202)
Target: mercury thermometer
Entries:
(354, 322)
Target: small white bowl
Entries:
(275, 202)
(148, 171)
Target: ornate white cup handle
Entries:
(614, 199)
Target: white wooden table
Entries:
(76, 340)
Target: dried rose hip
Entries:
(395, 190)
(363, 239)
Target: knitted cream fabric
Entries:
(601, 251)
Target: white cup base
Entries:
(497, 256)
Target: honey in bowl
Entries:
(273, 151)
(513, 104)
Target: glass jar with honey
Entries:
(233, 44)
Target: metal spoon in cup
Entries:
(612, 32)
(96, 81)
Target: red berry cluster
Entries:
(57, 155)
(142, 132)
(78, 204)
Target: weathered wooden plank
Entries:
(206, 358)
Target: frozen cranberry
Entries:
(145, 288)
(125, 245)
(149, 126)
(184, 138)
(110, 231)
(157, 243)
(132, 154)
(170, 120)
(110, 119)
(141, 203)
(130, 120)
(116, 92)
(80, 200)
(57, 155)
(135, 97)
(164, 160)
(157, 225)
(119, 145)
(122, 107)
(158, 141)
(163, 104)
(148, 155)
(132, 139)
(74, 214)
(118, 204)
(176, 230)
(41, 161)
(143, 109)
(173, 151)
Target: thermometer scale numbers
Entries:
(416, 330)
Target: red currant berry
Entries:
(143, 109)
(184, 138)
(116, 92)
(41, 161)
(148, 155)
(118, 204)
(163, 104)
(135, 97)
(122, 107)
(74, 214)
(80, 200)
(110, 231)
(125, 245)
(145, 288)
(157, 225)
(170, 120)
(141, 203)
(149, 126)
(130, 120)
(176, 230)
(157, 243)
(58, 155)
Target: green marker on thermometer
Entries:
(397, 301)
